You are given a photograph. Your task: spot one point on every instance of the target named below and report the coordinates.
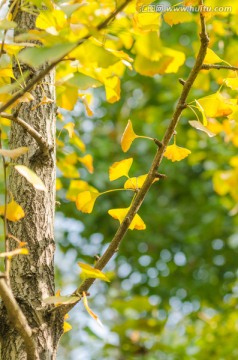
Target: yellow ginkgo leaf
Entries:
(87, 160)
(199, 126)
(14, 211)
(232, 83)
(85, 201)
(88, 272)
(77, 186)
(14, 153)
(58, 299)
(22, 251)
(216, 105)
(200, 108)
(67, 327)
(120, 214)
(75, 140)
(120, 168)
(113, 89)
(70, 128)
(176, 17)
(176, 153)
(27, 97)
(128, 137)
(136, 183)
(31, 177)
(211, 57)
(91, 313)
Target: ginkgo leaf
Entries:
(22, 251)
(92, 273)
(15, 153)
(199, 106)
(67, 327)
(128, 137)
(57, 300)
(232, 83)
(136, 183)
(215, 105)
(85, 201)
(120, 214)
(113, 89)
(70, 128)
(91, 313)
(176, 153)
(7, 24)
(176, 17)
(87, 160)
(31, 177)
(199, 126)
(120, 168)
(77, 186)
(14, 211)
(75, 140)
(211, 57)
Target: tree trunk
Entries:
(32, 276)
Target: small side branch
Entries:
(218, 67)
(44, 146)
(18, 319)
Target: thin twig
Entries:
(43, 73)
(123, 228)
(44, 146)
(17, 318)
(218, 67)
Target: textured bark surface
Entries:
(32, 276)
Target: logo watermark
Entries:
(193, 9)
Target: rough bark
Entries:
(32, 276)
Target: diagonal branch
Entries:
(43, 73)
(218, 67)
(181, 105)
(17, 318)
(44, 146)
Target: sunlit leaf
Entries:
(199, 126)
(27, 97)
(61, 300)
(87, 161)
(216, 105)
(199, 106)
(22, 251)
(136, 183)
(75, 140)
(40, 55)
(85, 201)
(232, 83)
(7, 24)
(51, 19)
(67, 327)
(31, 177)
(70, 128)
(91, 313)
(14, 211)
(113, 89)
(77, 186)
(120, 214)
(211, 57)
(128, 137)
(15, 153)
(92, 273)
(176, 17)
(176, 153)
(120, 168)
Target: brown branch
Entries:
(43, 73)
(218, 67)
(18, 319)
(44, 146)
(181, 105)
